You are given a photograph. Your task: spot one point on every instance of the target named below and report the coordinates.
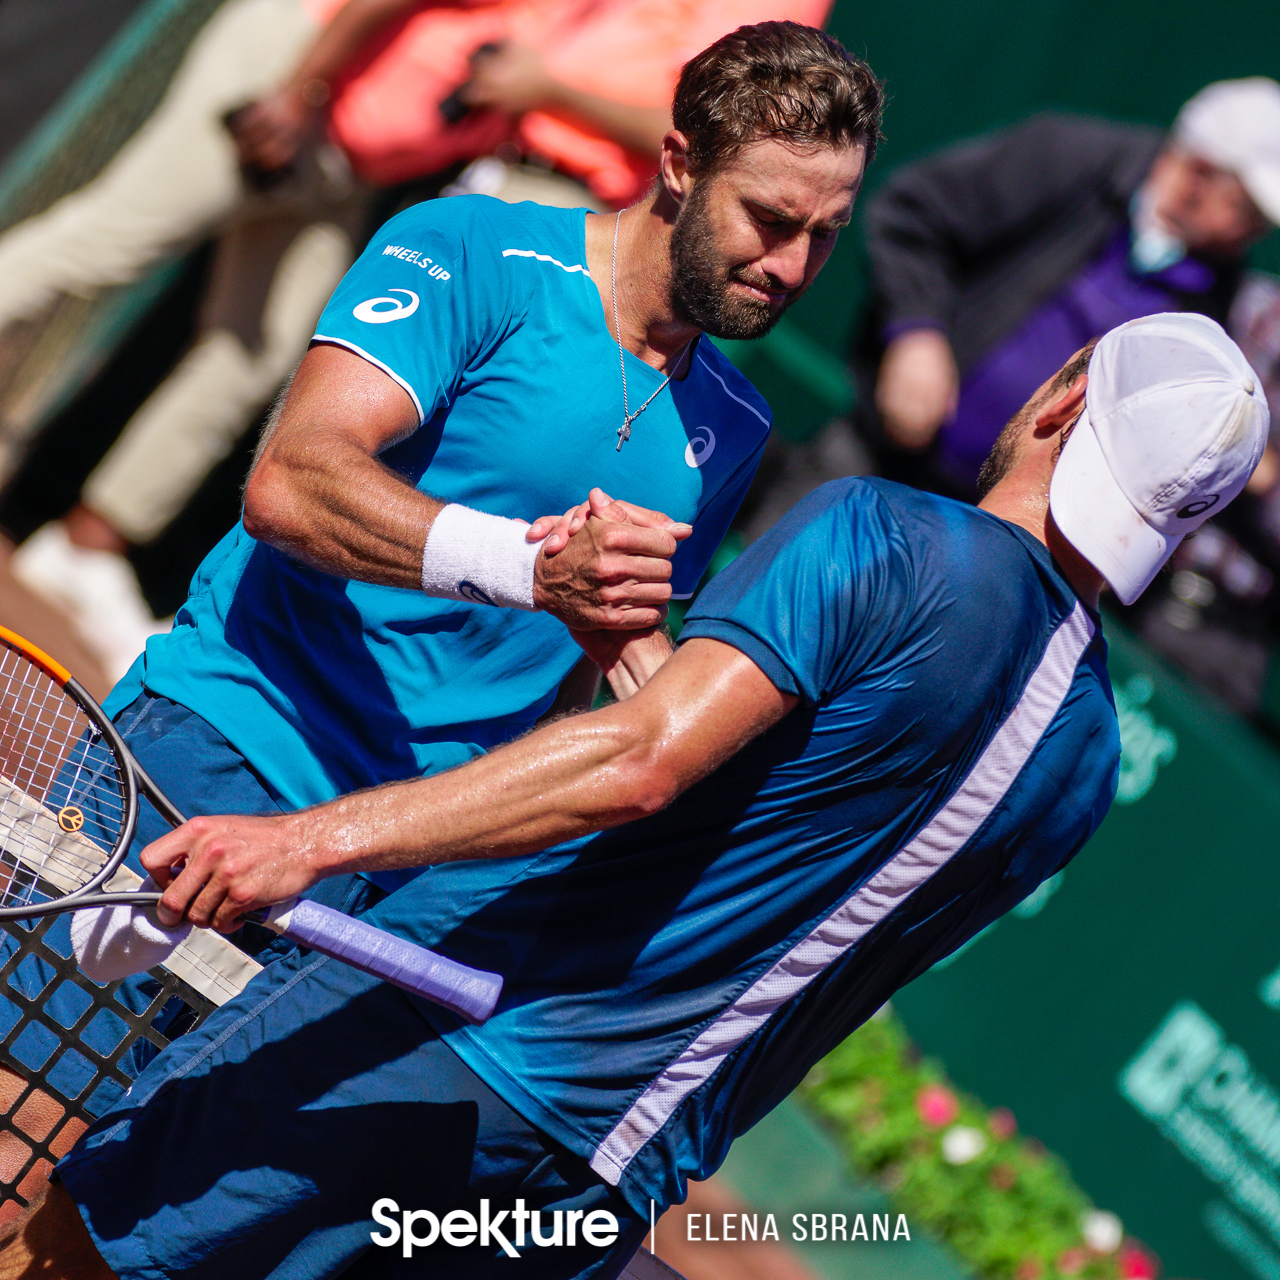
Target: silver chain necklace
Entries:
(624, 431)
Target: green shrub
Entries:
(1009, 1209)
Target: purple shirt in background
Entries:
(1106, 293)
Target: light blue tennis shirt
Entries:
(487, 317)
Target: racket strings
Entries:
(62, 799)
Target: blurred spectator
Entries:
(280, 120)
(996, 259)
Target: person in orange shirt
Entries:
(585, 84)
(283, 118)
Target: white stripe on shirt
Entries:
(926, 853)
(745, 404)
(543, 257)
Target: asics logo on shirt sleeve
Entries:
(700, 447)
(384, 310)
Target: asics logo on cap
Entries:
(384, 310)
(1199, 507)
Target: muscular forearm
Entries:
(333, 506)
(567, 779)
(576, 776)
(319, 492)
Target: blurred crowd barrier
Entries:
(43, 365)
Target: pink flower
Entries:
(1137, 1264)
(937, 1106)
(1002, 1124)
(1072, 1261)
(1030, 1269)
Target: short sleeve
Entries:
(815, 599)
(425, 300)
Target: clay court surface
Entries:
(46, 628)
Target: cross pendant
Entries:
(624, 434)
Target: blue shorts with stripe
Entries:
(258, 1144)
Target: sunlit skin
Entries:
(775, 214)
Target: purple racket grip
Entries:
(471, 993)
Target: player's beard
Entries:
(1004, 453)
(700, 282)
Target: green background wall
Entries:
(953, 70)
(1172, 909)
(1178, 898)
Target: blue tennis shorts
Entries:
(258, 1146)
(201, 772)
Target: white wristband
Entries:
(482, 558)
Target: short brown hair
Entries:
(775, 80)
(1004, 453)
(1074, 367)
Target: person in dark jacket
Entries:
(995, 259)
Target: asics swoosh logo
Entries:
(384, 310)
(700, 447)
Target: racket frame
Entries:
(474, 994)
(131, 775)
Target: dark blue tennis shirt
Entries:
(670, 981)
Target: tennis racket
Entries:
(69, 796)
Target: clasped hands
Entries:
(604, 569)
(605, 564)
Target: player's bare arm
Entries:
(319, 491)
(578, 775)
(628, 660)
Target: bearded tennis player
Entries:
(887, 723)
(381, 611)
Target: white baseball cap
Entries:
(1174, 423)
(1235, 124)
